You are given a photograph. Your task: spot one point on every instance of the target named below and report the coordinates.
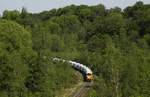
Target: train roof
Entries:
(86, 69)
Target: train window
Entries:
(84, 70)
(88, 74)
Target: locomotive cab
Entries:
(89, 77)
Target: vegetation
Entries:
(114, 43)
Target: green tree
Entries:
(16, 50)
(11, 15)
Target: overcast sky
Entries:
(41, 5)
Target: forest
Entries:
(114, 43)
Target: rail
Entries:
(83, 90)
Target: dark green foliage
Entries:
(113, 43)
(15, 52)
(11, 15)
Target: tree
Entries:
(16, 50)
(115, 24)
(11, 15)
(112, 66)
(98, 10)
(24, 12)
(84, 13)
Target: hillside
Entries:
(114, 43)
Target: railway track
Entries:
(83, 90)
(88, 75)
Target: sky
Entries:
(36, 6)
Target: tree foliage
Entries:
(114, 43)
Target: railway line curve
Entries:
(87, 74)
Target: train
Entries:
(87, 72)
